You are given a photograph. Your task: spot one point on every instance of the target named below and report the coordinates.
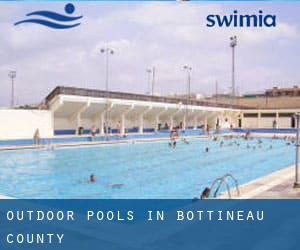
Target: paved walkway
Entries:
(278, 185)
(98, 142)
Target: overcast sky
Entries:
(167, 35)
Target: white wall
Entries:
(284, 122)
(22, 124)
(266, 122)
(149, 123)
(64, 123)
(249, 122)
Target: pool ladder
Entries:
(223, 180)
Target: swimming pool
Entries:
(147, 170)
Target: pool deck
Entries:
(277, 185)
(98, 142)
(130, 140)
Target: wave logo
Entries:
(53, 20)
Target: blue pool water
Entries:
(147, 170)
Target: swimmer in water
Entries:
(248, 146)
(174, 144)
(207, 149)
(185, 141)
(93, 178)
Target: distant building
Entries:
(274, 92)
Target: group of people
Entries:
(37, 137)
(257, 144)
(106, 130)
(174, 135)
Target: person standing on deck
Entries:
(36, 137)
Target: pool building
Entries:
(69, 111)
(72, 117)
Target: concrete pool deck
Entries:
(102, 142)
(130, 140)
(277, 185)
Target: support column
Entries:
(195, 123)
(217, 122)
(141, 124)
(101, 124)
(242, 119)
(171, 122)
(142, 118)
(157, 118)
(258, 119)
(184, 122)
(156, 122)
(78, 122)
(123, 119)
(77, 116)
(277, 120)
(106, 118)
(205, 123)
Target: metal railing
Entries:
(130, 96)
(220, 182)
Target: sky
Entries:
(144, 34)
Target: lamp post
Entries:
(107, 51)
(153, 72)
(217, 91)
(149, 72)
(12, 75)
(188, 69)
(153, 79)
(233, 44)
(297, 181)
